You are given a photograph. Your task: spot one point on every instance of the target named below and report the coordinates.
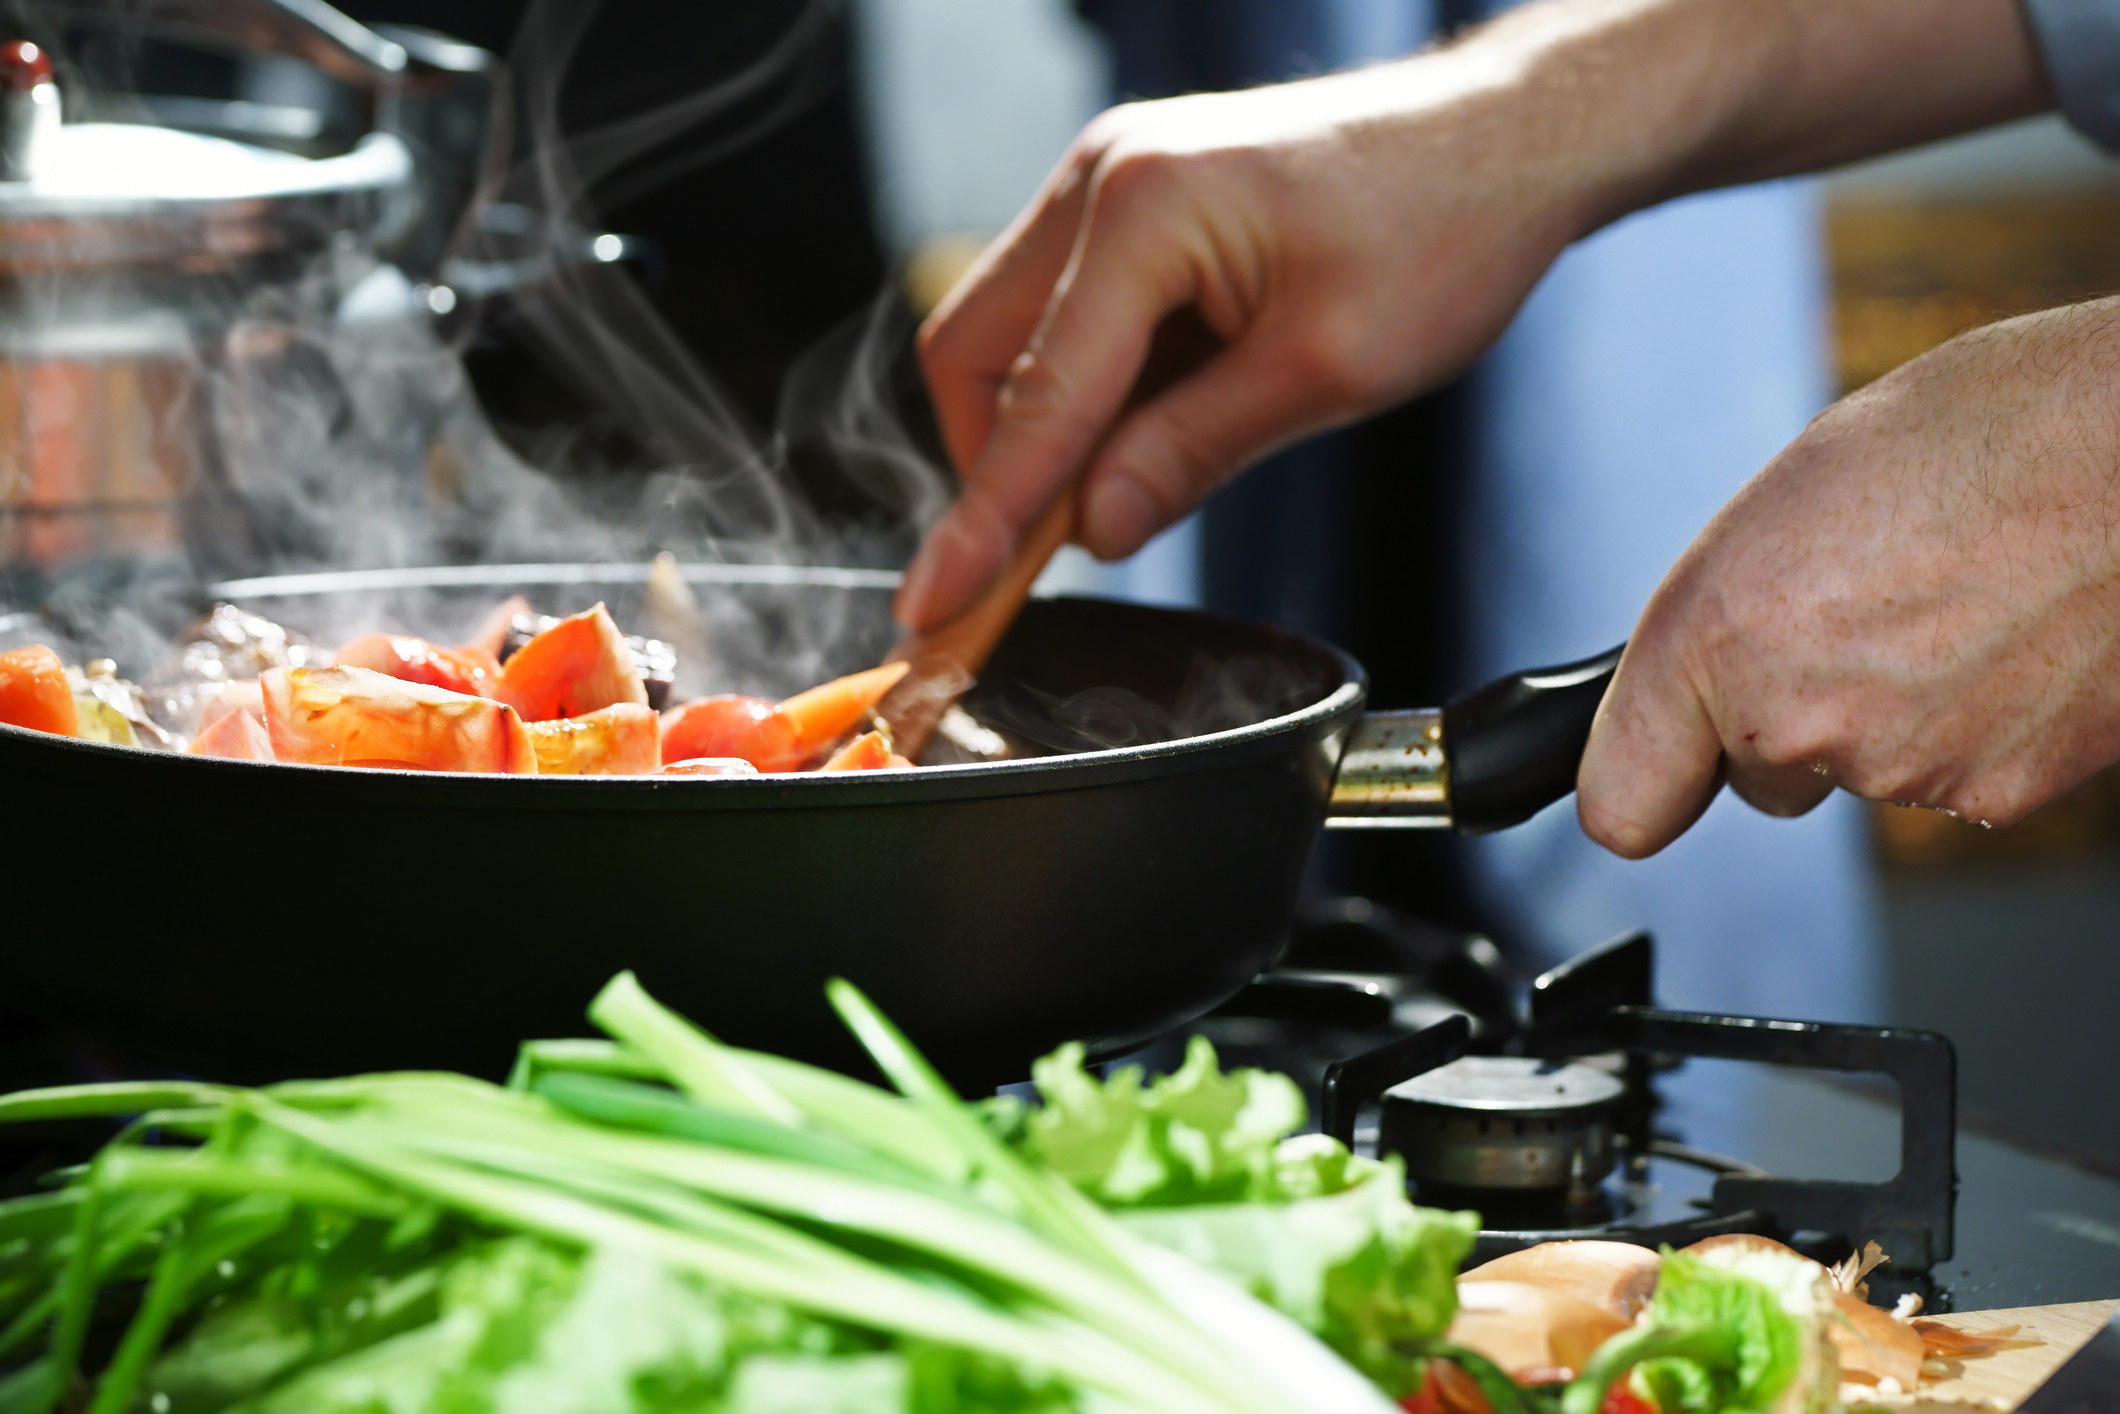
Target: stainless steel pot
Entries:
(137, 259)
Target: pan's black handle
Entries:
(1493, 758)
(1513, 746)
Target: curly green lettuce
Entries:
(1730, 1331)
(1205, 1163)
(1196, 1135)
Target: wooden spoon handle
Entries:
(944, 659)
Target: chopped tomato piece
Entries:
(1619, 1398)
(867, 752)
(710, 766)
(1447, 1389)
(354, 717)
(471, 671)
(1622, 1400)
(238, 735)
(829, 711)
(572, 668)
(34, 692)
(619, 740)
(730, 725)
(1456, 1391)
(1424, 1400)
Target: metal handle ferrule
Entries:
(1393, 774)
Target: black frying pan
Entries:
(249, 921)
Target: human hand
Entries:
(1350, 241)
(1917, 601)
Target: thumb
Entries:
(1654, 761)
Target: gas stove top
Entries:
(1581, 1109)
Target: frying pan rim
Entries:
(794, 789)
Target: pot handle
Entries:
(1493, 758)
(309, 30)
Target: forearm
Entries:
(1656, 98)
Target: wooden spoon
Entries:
(945, 659)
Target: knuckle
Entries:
(1785, 746)
(1036, 392)
(1101, 133)
(1173, 467)
(1892, 784)
(1895, 772)
(1330, 357)
(1131, 176)
(1786, 730)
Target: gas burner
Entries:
(1540, 1148)
(1543, 1121)
(1511, 1124)
(1666, 1196)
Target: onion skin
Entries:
(1618, 1277)
(1525, 1328)
(1950, 1342)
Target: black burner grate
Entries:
(1599, 1006)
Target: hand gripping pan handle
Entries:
(1493, 758)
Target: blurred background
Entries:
(869, 149)
(2007, 941)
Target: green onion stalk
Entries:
(368, 1210)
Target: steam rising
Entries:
(341, 428)
(1213, 694)
(312, 417)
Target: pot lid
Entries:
(100, 169)
(100, 195)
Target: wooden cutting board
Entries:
(2000, 1380)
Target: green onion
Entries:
(887, 1222)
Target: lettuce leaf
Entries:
(1725, 1334)
(1193, 1136)
(1205, 1164)
(1362, 1268)
(915, 1379)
